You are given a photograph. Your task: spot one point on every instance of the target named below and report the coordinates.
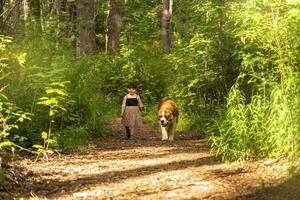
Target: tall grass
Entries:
(284, 120)
(266, 126)
(261, 118)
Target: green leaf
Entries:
(51, 141)
(6, 143)
(55, 91)
(49, 151)
(44, 135)
(37, 146)
(22, 58)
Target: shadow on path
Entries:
(288, 190)
(56, 188)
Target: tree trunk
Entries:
(166, 26)
(57, 7)
(222, 75)
(26, 13)
(35, 6)
(71, 10)
(114, 26)
(63, 5)
(1, 15)
(15, 15)
(71, 14)
(86, 39)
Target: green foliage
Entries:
(233, 71)
(61, 115)
(284, 121)
(54, 101)
(202, 59)
(75, 138)
(3, 177)
(10, 114)
(149, 115)
(95, 100)
(262, 113)
(56, 94)
(263, 127)
(144, 66)
(241, 133)
(10, 117)
(97, 83)
(31, 88)
(140, 23)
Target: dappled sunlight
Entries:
(103, 162)
(179, 180)
(118, 176)
(285, 189)
(158, 100)
(145, 169)
(160, 185)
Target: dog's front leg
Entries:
(164, 133)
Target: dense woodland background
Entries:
(232, 67)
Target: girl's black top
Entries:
(132, 102)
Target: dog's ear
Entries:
(169, 115)
(159, 116)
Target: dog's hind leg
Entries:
(172, 132)
(171, 135)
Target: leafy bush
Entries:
(10, 114)
(262, 114)
(75, 138)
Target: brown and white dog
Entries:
(168, 118)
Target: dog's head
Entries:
(165, 117)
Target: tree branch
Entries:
(10, 10)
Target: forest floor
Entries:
(147, 168)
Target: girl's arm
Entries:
(141, 105)
(123, 105)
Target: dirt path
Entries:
(147, 168)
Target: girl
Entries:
(130, 113)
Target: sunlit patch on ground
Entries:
(143, 168)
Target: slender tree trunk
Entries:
(71, 14)
(114, 26)
(42, 19)
(222, 75)
(1, 17)
(86, 39)
(35, 6)
(130, 37)
(166, 26)
(57, 7)
(26, 13)
(15, 15)
(63, 5)
(221, 37)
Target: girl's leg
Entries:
(128, 135)
(132, 131)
